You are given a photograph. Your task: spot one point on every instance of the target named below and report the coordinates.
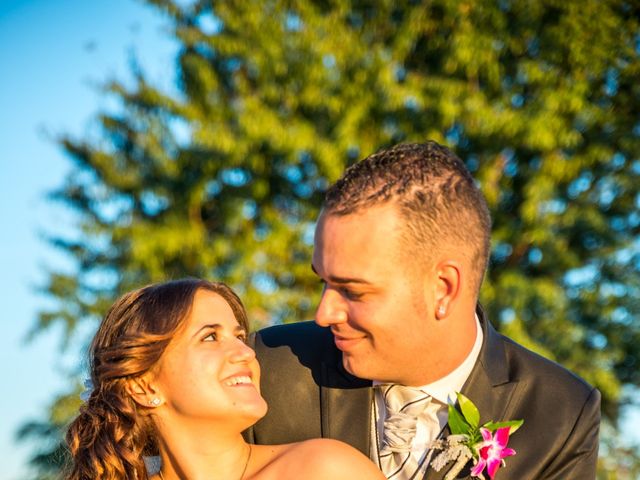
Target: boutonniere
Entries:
(485, 444)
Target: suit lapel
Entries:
(345, 403)
(431, 474)
(488, 386)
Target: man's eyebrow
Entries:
(342, 280)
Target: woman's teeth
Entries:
(242, 380)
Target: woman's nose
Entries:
(241, 352)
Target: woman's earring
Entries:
(154, 402)
(441, 311)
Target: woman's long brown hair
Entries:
(112, 433)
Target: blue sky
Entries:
(53, 54)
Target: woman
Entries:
(173, 377)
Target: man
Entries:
(401, 247)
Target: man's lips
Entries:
(346, 342)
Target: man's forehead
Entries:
(376, 213)
(350, 245)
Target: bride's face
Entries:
(207, 370)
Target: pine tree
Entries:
(224, 180)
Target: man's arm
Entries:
(579, 455)
(290, 367)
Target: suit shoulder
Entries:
(533, 367)
(306, 342)
(306, 332)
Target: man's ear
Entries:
(448, 287)
(143, 392)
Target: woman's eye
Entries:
(243, 337)
(212, 337)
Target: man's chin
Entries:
(356, 369)
(368, 371)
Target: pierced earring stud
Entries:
(441, 310)
(154, 402)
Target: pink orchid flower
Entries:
(492, 450)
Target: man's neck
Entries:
(459, 348)
(443, 388)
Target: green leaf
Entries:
(513, 424)
(469, 410)
(457, 423)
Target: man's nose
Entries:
(331, 309)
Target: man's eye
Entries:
(212, 337)
(351, 295)
(243, 337)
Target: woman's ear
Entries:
(143, 392)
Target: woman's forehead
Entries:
(209, 308)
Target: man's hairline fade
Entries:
(443, 172)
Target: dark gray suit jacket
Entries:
(310, 395)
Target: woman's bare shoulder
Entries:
(323, 458)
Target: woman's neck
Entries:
(202, 451)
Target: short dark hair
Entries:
(434, 190)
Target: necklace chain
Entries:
(244, 470)
(246, 464)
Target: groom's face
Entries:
(376, 300)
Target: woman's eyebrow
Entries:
(217, 326)
(208, 326)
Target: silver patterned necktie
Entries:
(403, 405)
